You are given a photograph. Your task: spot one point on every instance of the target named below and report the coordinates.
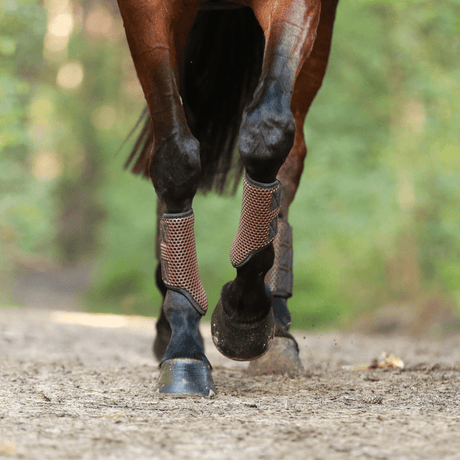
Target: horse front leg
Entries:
(243, 325)
(162, 326)
(175, 171)
(283, 357)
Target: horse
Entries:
(217, 74)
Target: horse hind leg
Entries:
(175, 172)
(243, 325)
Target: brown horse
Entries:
(214, 72)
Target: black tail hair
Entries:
(218, 75)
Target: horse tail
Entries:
(218, 74)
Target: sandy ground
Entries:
(80, 386)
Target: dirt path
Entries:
(71, 389)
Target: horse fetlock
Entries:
(245, 300)
(184, 367)
(235, 332)
(186, 340)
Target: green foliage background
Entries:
(376, 220)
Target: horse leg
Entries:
(242, 324)
(175, 171)
(162, 326)
(283, 357)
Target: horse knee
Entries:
(267, 132)
(175, 171)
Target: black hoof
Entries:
(241, 341)
(186, 376)
(282, 358)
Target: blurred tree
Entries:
(23, 224)
(399, 62)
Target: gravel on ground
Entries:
(82, 386)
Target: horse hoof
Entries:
(186, 376)
(241, 341)
(282, 358)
